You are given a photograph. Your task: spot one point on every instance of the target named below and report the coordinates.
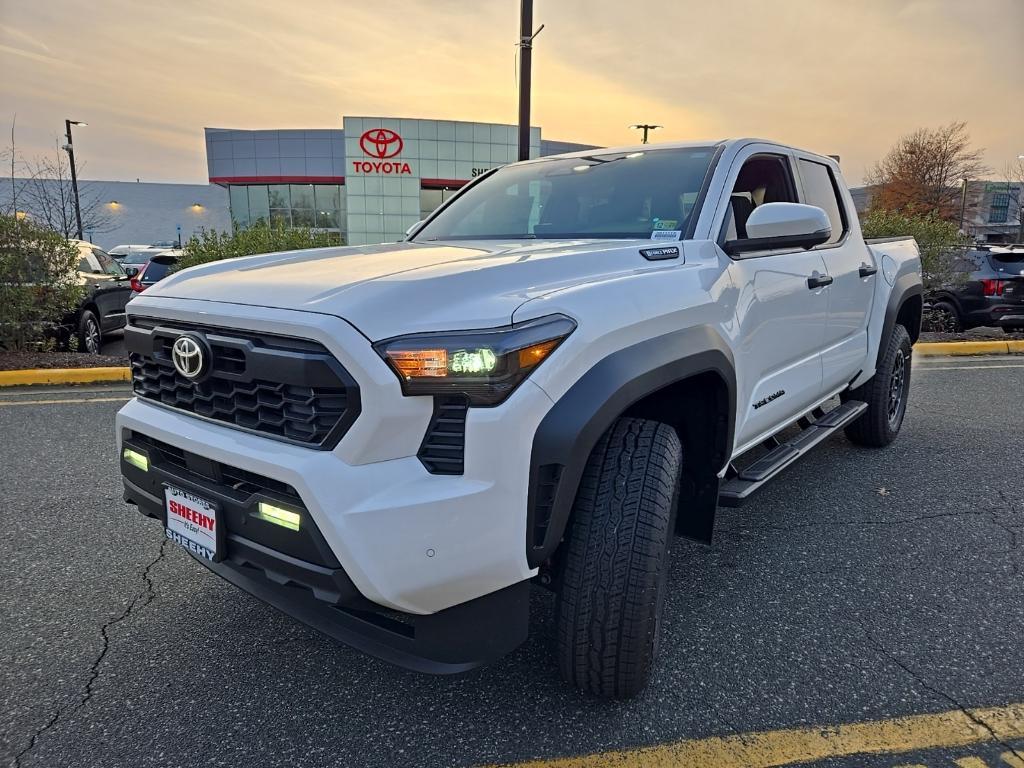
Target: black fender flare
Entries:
(906, 286)
(570, 430)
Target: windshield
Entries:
(616, 195)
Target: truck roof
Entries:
(725, 144)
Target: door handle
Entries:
(816, 281)
(867, 270)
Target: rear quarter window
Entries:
(156, 270)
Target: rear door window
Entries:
(820, 189)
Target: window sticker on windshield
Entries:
(664, 223)
(666, 234)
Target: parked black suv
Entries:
(107, 291)
(992, 292)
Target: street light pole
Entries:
(646, 128)
(74, 173)
(525, 61)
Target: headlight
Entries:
(485, 365)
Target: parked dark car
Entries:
(991, 293)
(155, 270)
(107, 290)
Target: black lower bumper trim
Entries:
(458, 639)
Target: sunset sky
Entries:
(834, 76)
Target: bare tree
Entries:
(49, 198)
(10, 206)
(924, 171)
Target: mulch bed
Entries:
(14, 361)
(975, 334)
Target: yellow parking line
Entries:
(78, 401)
(768, 749)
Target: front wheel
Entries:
(90, 338)
(613, 583)
(885, 393)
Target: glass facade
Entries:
(320, 206)
(430, 199)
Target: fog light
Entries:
(136, 459)
(278, 516)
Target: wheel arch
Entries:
(661, 378)
(905, 306)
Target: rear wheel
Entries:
(613, 583)
(885, 393)
(944, 318)
(90, 338)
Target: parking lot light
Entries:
(278, 516)
(136, 459)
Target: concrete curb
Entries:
(98, 375)
(63, 376)
(946, 348)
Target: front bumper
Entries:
(313, 587)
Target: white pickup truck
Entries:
(572, 360)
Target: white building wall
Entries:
(142, 212)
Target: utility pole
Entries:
(69, 147)
(963, 202)
(526, 35)
(646, 128)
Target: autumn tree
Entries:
(924, 172)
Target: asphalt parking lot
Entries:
(864, 586)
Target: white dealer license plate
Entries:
(193, 523)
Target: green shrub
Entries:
(939, 240)
(211, 245)
(38, 282)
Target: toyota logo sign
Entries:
(381, 143)
(189, 357)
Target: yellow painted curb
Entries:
(946, 348)
(63, 376)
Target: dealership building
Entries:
(371, 180)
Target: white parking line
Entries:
(928, 367)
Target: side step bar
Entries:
(735, 491)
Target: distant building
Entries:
(992, 210)
(134, 212)
(370, 180)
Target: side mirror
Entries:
(414, 227)
(782, 225)
(131, 271)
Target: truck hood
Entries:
(396, 288)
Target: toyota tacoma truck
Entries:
(569, 363)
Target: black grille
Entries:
(290, 389)
(444, 446)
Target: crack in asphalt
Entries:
(140, 601)
(877, 645)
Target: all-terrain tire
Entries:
(613, 584)
(885, 393)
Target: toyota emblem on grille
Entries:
(189, 356)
